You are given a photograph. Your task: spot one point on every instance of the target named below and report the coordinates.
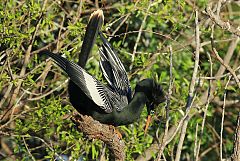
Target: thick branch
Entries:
(95, 130)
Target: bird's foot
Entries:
(116, 131)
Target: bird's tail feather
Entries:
(60, 61)
(94, 25)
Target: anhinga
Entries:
(113, 103)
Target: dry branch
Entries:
(203, 99)
(236, 148)
(222, 121)
(227, 67)
(191, 89)
(224, 25)
(139, 35)
(163, 142)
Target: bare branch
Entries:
(26, 146)
(236, 148)
(29, 136)
(206, 108)
(227, 67)
(224, 25)
(221, 70)
(222, 121)
(139, 35)
(164, 139)
(191, 88)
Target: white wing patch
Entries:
(93, 91)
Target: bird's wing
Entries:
(113, 69)
(104, 97)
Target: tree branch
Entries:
(95, 130)
(236, 148)
(220, 23)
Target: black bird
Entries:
(113, 103)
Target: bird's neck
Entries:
(135, 106)
(132, 111)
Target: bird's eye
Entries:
(152, 112)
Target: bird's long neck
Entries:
(134, 108)
(137, 103)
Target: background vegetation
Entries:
(155, 39)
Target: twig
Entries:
(24, 67)
(171, 134)
(41, 79)
(228, 103)
(155, 145)
(36, 137)
(222, 61)
(206, 108)
(220, 23)
(221, 70)
(226, 60)
(214, 132)
(28, 149)
(219, 5)
(79, 12)
(154, 148)
(208, 150)
(48, 93)
(216, 41)
(6, 95)
(222, 76)
(195, 153)
(182, 137)
(195, 70)
(17, 116)
(163, 142)
(227, 67)
(5, 147)
(139, 34)
(30, 72)
(236, 149)
(152, 32)
(9, 113)
(191, 89)
(124, 20)
(120, 25)
(223, 113)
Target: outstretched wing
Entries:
(104, 97)
(113, 69)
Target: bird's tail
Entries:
(59, 60)
(94, 25)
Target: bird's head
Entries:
(154, 94)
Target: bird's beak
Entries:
(149, 117)
(150, 107)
